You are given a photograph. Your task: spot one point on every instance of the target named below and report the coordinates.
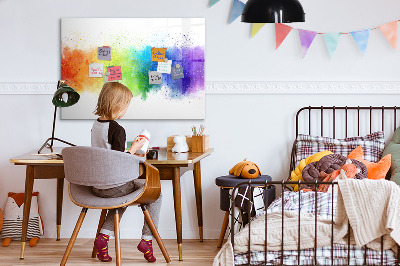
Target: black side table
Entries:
(226, 183)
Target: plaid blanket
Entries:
(323, 205)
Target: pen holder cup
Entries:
(200, 143)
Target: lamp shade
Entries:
(273, 11)
(65, 96)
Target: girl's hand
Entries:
(137, 144)
(143, 155)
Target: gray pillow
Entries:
(393, 148)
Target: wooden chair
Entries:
(85, 167)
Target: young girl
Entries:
(113, 102)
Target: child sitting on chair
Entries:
(113, 102)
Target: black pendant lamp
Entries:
(273, 11)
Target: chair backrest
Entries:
(92, 166)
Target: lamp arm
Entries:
(54, 126)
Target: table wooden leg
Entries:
(199, 204)
(178, 208)
(60, 191)
(27, 206)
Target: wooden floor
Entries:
(50, 252)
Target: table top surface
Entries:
(164, 157)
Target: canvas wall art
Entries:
(161, 60)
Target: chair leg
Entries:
(101, 222)
(154, 230)
(223, 229)
(117, 239)
(73, 237)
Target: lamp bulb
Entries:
(64, 97)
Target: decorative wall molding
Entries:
(250, 87)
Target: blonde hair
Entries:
(113, 99)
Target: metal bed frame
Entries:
(284, 183)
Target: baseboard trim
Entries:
(248, 87)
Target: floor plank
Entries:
(50, 252)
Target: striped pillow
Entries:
(372, 145)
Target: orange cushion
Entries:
(375, 170)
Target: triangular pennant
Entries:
(361, 37)
(306, 39)
(389, 30)
(256, 27)
(213, 2)
(237, 9)
(332, 41)
(281, 31)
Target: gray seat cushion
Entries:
(83, 196)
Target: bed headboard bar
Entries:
(321, 109)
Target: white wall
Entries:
(259, 127)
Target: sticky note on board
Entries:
(177, 72)
(164, 67)
(155, 77)
(104, 53)
(95, 70)
(115, 73)
(158, 54)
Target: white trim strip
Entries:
(250, 87)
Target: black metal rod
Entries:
(249, 219)
(315, 222)
(54, 126)
(266, 220)
(370, 120)
(334, 121)
(322, 121)
(333, 189)
(346, 120)
(298, 226)
(283, 210)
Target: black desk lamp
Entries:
(65, 96)
(273, 11)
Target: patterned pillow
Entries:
(372, 144)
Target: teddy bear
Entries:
(13, 215)
(245, 169)
(180, 144)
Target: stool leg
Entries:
(223, 229)
(101, 222)
(117, 239)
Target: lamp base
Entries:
(50, 146)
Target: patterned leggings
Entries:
(153, 208)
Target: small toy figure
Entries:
(180, 144)
(246, 169)
(13, 215)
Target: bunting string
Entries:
(361, 37)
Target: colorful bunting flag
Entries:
(332, 41)
(256, 27)
(213, 2)
(281, 31)
(361, 37)
(306, 39)
(389, 30)
(237, 9)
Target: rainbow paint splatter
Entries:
(131, 42)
